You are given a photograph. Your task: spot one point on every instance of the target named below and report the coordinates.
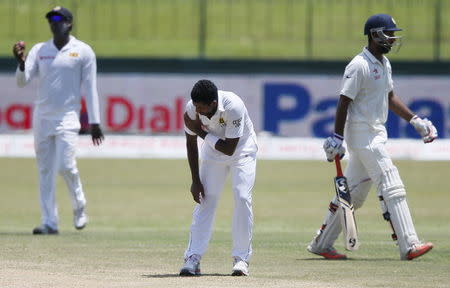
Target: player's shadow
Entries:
(348, 259)
(178, 275)
(24, 234)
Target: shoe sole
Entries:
(238, 273)
(188, 273)
(80, 227)
(343, 257)
(419, 253)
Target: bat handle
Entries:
(337, 160)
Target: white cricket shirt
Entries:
(367, 82)
(231, 120)
(61, 74)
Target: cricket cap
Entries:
(59, 10)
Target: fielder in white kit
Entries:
(222, 120)
(366, 95)
(63, 64)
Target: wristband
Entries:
(338, 138)
(211, 140)
(413, 119)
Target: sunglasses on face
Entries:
(56, 18)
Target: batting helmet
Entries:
(384, 21)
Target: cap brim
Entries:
(52, 13)
(393, 29)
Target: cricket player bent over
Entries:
(63, 64)
(222, 120)
(366, 96)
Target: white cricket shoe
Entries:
(80, 218)
(240, 267)
(191, 266)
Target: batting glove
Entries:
(425, 128)
(333, 146)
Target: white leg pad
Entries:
(394, 194)
(329, 232)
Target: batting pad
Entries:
(403, 224)
(327, 235)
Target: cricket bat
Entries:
(346, 210)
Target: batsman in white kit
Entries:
(63, 64)
(229, 147)
(366, 96)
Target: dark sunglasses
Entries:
(56, 18)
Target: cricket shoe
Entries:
(329, 253)
(240, 267)
(191, 266)
(80, 218)
(45, 230)
(418, 250)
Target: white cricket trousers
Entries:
(54, 143)
(213, 175)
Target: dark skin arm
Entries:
(227, 146)
(197, 190)
(341, 114)
(397, 106)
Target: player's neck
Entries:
(376, 53)
(60, 42)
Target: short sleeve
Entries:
(190, 110)
(352, 80)
(235, 118)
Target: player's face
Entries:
(207, 110)
(59, 25)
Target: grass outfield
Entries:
(140, 211)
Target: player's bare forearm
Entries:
(397, 106)
(341, 114)
(192, 154)
(227, 146)
(194, 125)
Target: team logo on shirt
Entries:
(73, 54)
(237, 123)
(377, 75)
(222, 122)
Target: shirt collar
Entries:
(219, 102)
(220, 108)
(372, 58)
(69, 44)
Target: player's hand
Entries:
(197, 191)
(425, 128)
(333, 146)
(97, 134)
(193, 125)
(19, 51)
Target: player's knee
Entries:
(391, 186)
(358, 202)
(243, 198)
(68, 170)
(360, 192)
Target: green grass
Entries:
(282, 29)
(140, 212)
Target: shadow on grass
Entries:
(349, 259)
(178, 276)
(28, 233)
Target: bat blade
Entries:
(346, 213)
